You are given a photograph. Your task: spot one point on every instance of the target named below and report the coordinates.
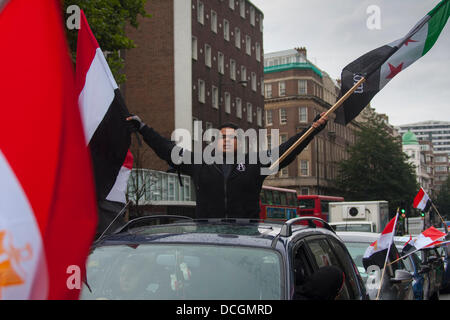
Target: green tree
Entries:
(442, 200)
(107, 19)
(377, 169)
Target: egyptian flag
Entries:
(48, 210)
(379, 66)
(428, 238)
(103, 112)
(376, 253)
(422, 201)
(409, 246)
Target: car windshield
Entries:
(363, 227)
(357, 250)
(183, 271)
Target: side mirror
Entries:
(424, 269)
(401, 275)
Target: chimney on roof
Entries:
(302, 51)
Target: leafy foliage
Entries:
(107, 19)
(377, 169)
(442, 201)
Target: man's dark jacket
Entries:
(236, 196)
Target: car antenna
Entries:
(119, 214)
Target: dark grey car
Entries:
(397, 281)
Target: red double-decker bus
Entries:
(278, 203)
(315, 205)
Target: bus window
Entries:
(283, 200)
(291, 199)
(262, 196)
(324, 205)
(269, 196)
(306, 203)
(276, 197)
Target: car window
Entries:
(324, 256)
(350, 268)
(408, 264)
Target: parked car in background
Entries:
(444, 251)
(226, 259)
(397, 281)
(362, 226)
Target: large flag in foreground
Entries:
(422, 201)
(103, 112)
(379, 66)
(376, 253)
(47, 198)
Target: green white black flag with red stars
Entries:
(379, 66)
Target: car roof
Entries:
(260, 234)
(354, 236)
(350, 222)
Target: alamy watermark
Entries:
(73, 21)
(373, 22)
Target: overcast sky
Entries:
(335, 33)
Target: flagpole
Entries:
(445, 225)
(387, 255)
(311, 129)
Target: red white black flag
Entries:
(103, 112)
(422, 201)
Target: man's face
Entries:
(227, 140)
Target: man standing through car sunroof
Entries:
(227, 179)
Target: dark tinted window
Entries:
(262, 197)
(283, 200)
(269, 196)
(276, 197)
(306, 203)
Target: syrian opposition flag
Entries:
(422, 201)
(381, 65)
(377, 252)
(47, 199)
(103, 112)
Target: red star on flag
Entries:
(408, 41)
(394, 70)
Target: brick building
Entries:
(196, 60)
(295, 92)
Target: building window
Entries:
(200, 12)
(201, 91)
(231, 4)
(302, 87)
(304, 191)
(302, 114)
(243, 73)
(239, 108)
(304, 168)
(268, 90)
(254, 81)
(258, 51)
(269, 141)
(242, 8)
(252, 16)
(208, 134)
(282, 88)
(283, 116)
(227, 102)
(248, 45)
(237, 37)
(194, 48)
(221, 63)
(269, 119)
(226, 30)
(261, 23)
(208, 55)
(259, 116)
(215, 97)
(262, 86)
(213, 21)
(249, 112)
(232, 69)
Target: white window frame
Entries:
(302, 117)
(283, 119)
(254, 84)
(282, 88)
(267, 92)
(221, 62)
(200, 12)
(301, 168)
(208, 55)
(194, 48)
(232, 69)
(226, 30)
(259, 118)
(252, 16)
(249, 112)
(231, 4)
(248, 45)
(258, 51)
(201, 91)
(269, 119)
(242, 8)
(239, 108)
(213, 21)
(227, 102)
(243, 73)
(237, 37)
(301, 87)
(215, 97)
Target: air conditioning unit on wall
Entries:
(353, 212)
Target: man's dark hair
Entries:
(228, 125)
